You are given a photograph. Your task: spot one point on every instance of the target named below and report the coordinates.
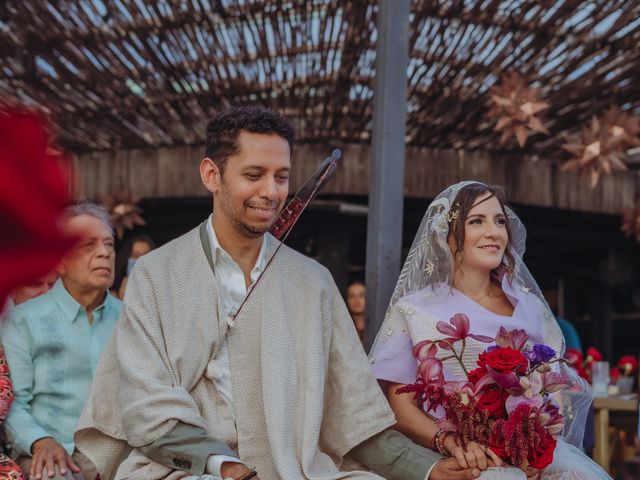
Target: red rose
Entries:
(476, 374)
(614, 373)
(583, 373)
(628, 364)
(504, 360)
(493, 401)
(543, 454)
(574, 357)
(593, 355)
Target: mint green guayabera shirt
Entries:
(52, 353)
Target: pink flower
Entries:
(425, 349)
(513, 402)
(553, 382)
(532, 384)
(551, 418)
(507, 381)
(464, 389)
(515, 339)
(458, 330)
(431, 370)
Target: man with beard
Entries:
(189, 387)
(53, 344)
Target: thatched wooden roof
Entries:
(140, 73)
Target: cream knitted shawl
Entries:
(303, 392)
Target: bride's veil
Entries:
(430, 262)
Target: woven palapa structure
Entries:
(133, 74)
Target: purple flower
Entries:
(531, 356)
(543, 353)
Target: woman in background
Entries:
(132, 251)
(356, 305)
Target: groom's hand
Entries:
(235, 470)
(448, 469)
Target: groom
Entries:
(186, 387)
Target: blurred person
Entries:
(188, 386)
(53, 344)
(569, 332)
(356, 305)
(27, 292)
(34, 289)
(137, 247)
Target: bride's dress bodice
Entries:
(414, 318)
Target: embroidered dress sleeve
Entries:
(392, 355)
(8, 468)
(6, 388)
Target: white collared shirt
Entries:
(231, 293)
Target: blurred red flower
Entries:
(593, 355)
(614, 373)
(33, 192)
(628, 365)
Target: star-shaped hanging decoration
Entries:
(622, 126)
(601, 146)
(516, 106)
(631, 222)
(124, 211)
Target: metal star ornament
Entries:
(124, 211)
(600, 147)
(516, 106)
(622, 126)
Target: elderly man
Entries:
(189, 386)
(53, 343)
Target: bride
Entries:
(467, 258)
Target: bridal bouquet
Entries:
(504, 403)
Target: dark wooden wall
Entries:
(173, 173)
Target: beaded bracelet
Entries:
(438, 441)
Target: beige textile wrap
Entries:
(303, 391)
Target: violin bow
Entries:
(290, 214)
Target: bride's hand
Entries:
(532, 473)
(475, 455)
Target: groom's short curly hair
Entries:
(224, 129)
